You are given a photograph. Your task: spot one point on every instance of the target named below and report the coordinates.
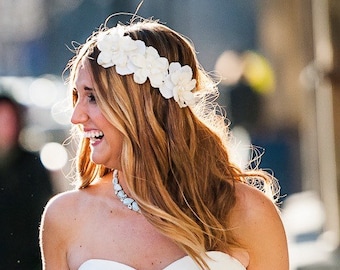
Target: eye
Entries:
(92, 98)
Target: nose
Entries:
(79, 114)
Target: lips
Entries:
(94, 135)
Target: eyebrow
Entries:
(86, 88)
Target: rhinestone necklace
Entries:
(129, 202)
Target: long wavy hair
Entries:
(175, 160)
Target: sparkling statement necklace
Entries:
(129, 202)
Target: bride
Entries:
(156, 185)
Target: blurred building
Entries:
(302, 41)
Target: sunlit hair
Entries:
(175, 160)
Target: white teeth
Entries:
(93, 134)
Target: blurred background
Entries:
(280, 67)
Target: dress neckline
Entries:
(215, 256)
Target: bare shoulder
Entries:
(253, 203)
(62, 205)
(60, 210)
(257, 225)
(253, 210)
(57, 229)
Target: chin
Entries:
(97, 160)
(100, 161)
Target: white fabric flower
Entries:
(133, 57)
(116, 50)
(150, 65)
(179, 84)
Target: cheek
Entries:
(116, 140)
(113, 135)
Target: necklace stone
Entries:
(120, 193)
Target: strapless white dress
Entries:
(217, 261)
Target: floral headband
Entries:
(134, 57)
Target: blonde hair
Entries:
(175, 160)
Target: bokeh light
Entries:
(61, 112)
(43, 92)
(259, 72)
(229, 66)
(33, 138)
(53, 156)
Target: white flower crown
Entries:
(134, 57)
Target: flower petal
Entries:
(156, 80)
(123, 70)
(166, 92)
(139, 76)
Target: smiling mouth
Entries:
(94, 136)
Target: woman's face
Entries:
(105, 139)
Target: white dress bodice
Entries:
(217, 261)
